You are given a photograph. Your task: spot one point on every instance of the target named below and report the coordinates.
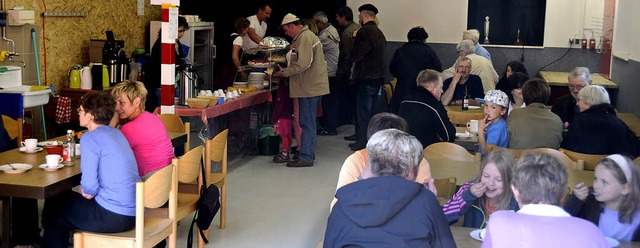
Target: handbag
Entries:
(207, 208)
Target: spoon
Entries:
(13, 168)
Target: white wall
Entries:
(445, 20)
(626, 35)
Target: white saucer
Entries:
(463, 135)
(17, 168)
(475, 234)
(45, 167)
(474, 107)
(24, 149)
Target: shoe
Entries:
(356, 146)
(294, 150)
(295, 156)
(299, 163)
(325, 132)
(353, 137)
(281, 158)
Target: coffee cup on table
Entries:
(30, 145)
(53, 160)
(472, 125)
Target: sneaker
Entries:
(299, 163)
(281, 158)
(353, 137)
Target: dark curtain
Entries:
(506, 17)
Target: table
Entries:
(632, 120)
(470, 144)
(460, 117)
(464, 171)
(40, 184)
(559, 81)
(246, 100)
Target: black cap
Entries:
(368, 7)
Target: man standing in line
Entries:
(308, 82)
(474, 35)
(344, 16)
(257, 29)
(330, 39)
(368, 69)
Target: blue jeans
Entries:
(365, 95)
(308, 114)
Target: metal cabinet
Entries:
(202, 51)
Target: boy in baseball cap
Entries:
(493, 128)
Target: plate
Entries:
(474, 107)
(19, 168)
(463, 135)
(45, 167)
(24, 149)
(49, 143)
(612, 242)
(475, 234)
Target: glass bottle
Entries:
(69, 147)
(465, 100)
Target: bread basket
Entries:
(213, 100)
(198, 103)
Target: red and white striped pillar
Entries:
(168, 40)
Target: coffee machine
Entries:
(115, 59)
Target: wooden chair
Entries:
(460, 118)
(446, 189)
(216, 150)
(450, 151)
(14, 128)
(517, 153)
(149, 231)
(173, 123)
(388, 92)
(637, 160)
(588, 161)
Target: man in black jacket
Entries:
(565, 106)
(368, 70)
(424, 112)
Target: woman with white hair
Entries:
(388, 209)
(597, 129)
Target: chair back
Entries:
(189, 165)
(515, 152)
(637, 160)
(14, 128)
(157, 187)
(449, 151)
(216, 149)
(446, 188)
(589, 161)
(570, 163)
(173, 123)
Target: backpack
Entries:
(207, 208)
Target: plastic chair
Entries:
(450, 151)
(14, 128)
(446, 189)
(173, 123)
(588, 161)
(216, 150)
(149, 231)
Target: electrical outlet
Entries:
(571, 41)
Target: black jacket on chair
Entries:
(427, 117)
(598, 130)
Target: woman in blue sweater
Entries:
(107, 195)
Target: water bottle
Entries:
(69, 147)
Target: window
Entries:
(506, 17)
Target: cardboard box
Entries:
(20, 17)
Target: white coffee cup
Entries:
(472, 125)
(53, 160)
(229, 95)
(235, 93)
(30, 145)
(202, 93)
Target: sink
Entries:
(11, 82)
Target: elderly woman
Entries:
(597, 129)
(145, 132)
(409, 215)
(565, 106)
(107, 199)
(540, 222)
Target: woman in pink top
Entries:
(145, 132)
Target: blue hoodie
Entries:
(387, 211)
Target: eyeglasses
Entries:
(576, 87)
